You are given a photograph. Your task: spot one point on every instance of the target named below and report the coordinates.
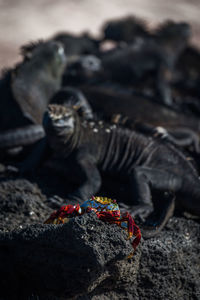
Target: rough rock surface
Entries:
(63, 260)
(169, 266)
(21, 202)
(85, 259)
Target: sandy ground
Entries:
(23, 21)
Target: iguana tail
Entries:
(21, 136)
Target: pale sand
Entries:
(23, 21)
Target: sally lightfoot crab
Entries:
(106, 210)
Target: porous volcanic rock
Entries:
(86, 259)
(21, 202)
(62, 260)
(169, 267)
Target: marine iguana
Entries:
(66, 96)
(149, 60)
(26, 90)
(122, 106)
(182, 137)
(30, 134)
(89, 147)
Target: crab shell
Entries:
(106, 210)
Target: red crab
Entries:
(106, 210)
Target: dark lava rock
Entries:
(169, 267)
(62, 260)
(21, 202)
(86, 259)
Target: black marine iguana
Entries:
(122, 106)
(26, 91)
(149, 59)
(90, 147)
(182, 137)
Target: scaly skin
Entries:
(21, 136)
(132, 111)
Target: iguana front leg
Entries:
(86, 173)
(143, 180)
(33, 160)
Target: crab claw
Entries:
(63, 214)
(132, 229)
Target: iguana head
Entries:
(60, 118)
(62, 128)
(38, 77)
(48, 55)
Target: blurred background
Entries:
(23, 21)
